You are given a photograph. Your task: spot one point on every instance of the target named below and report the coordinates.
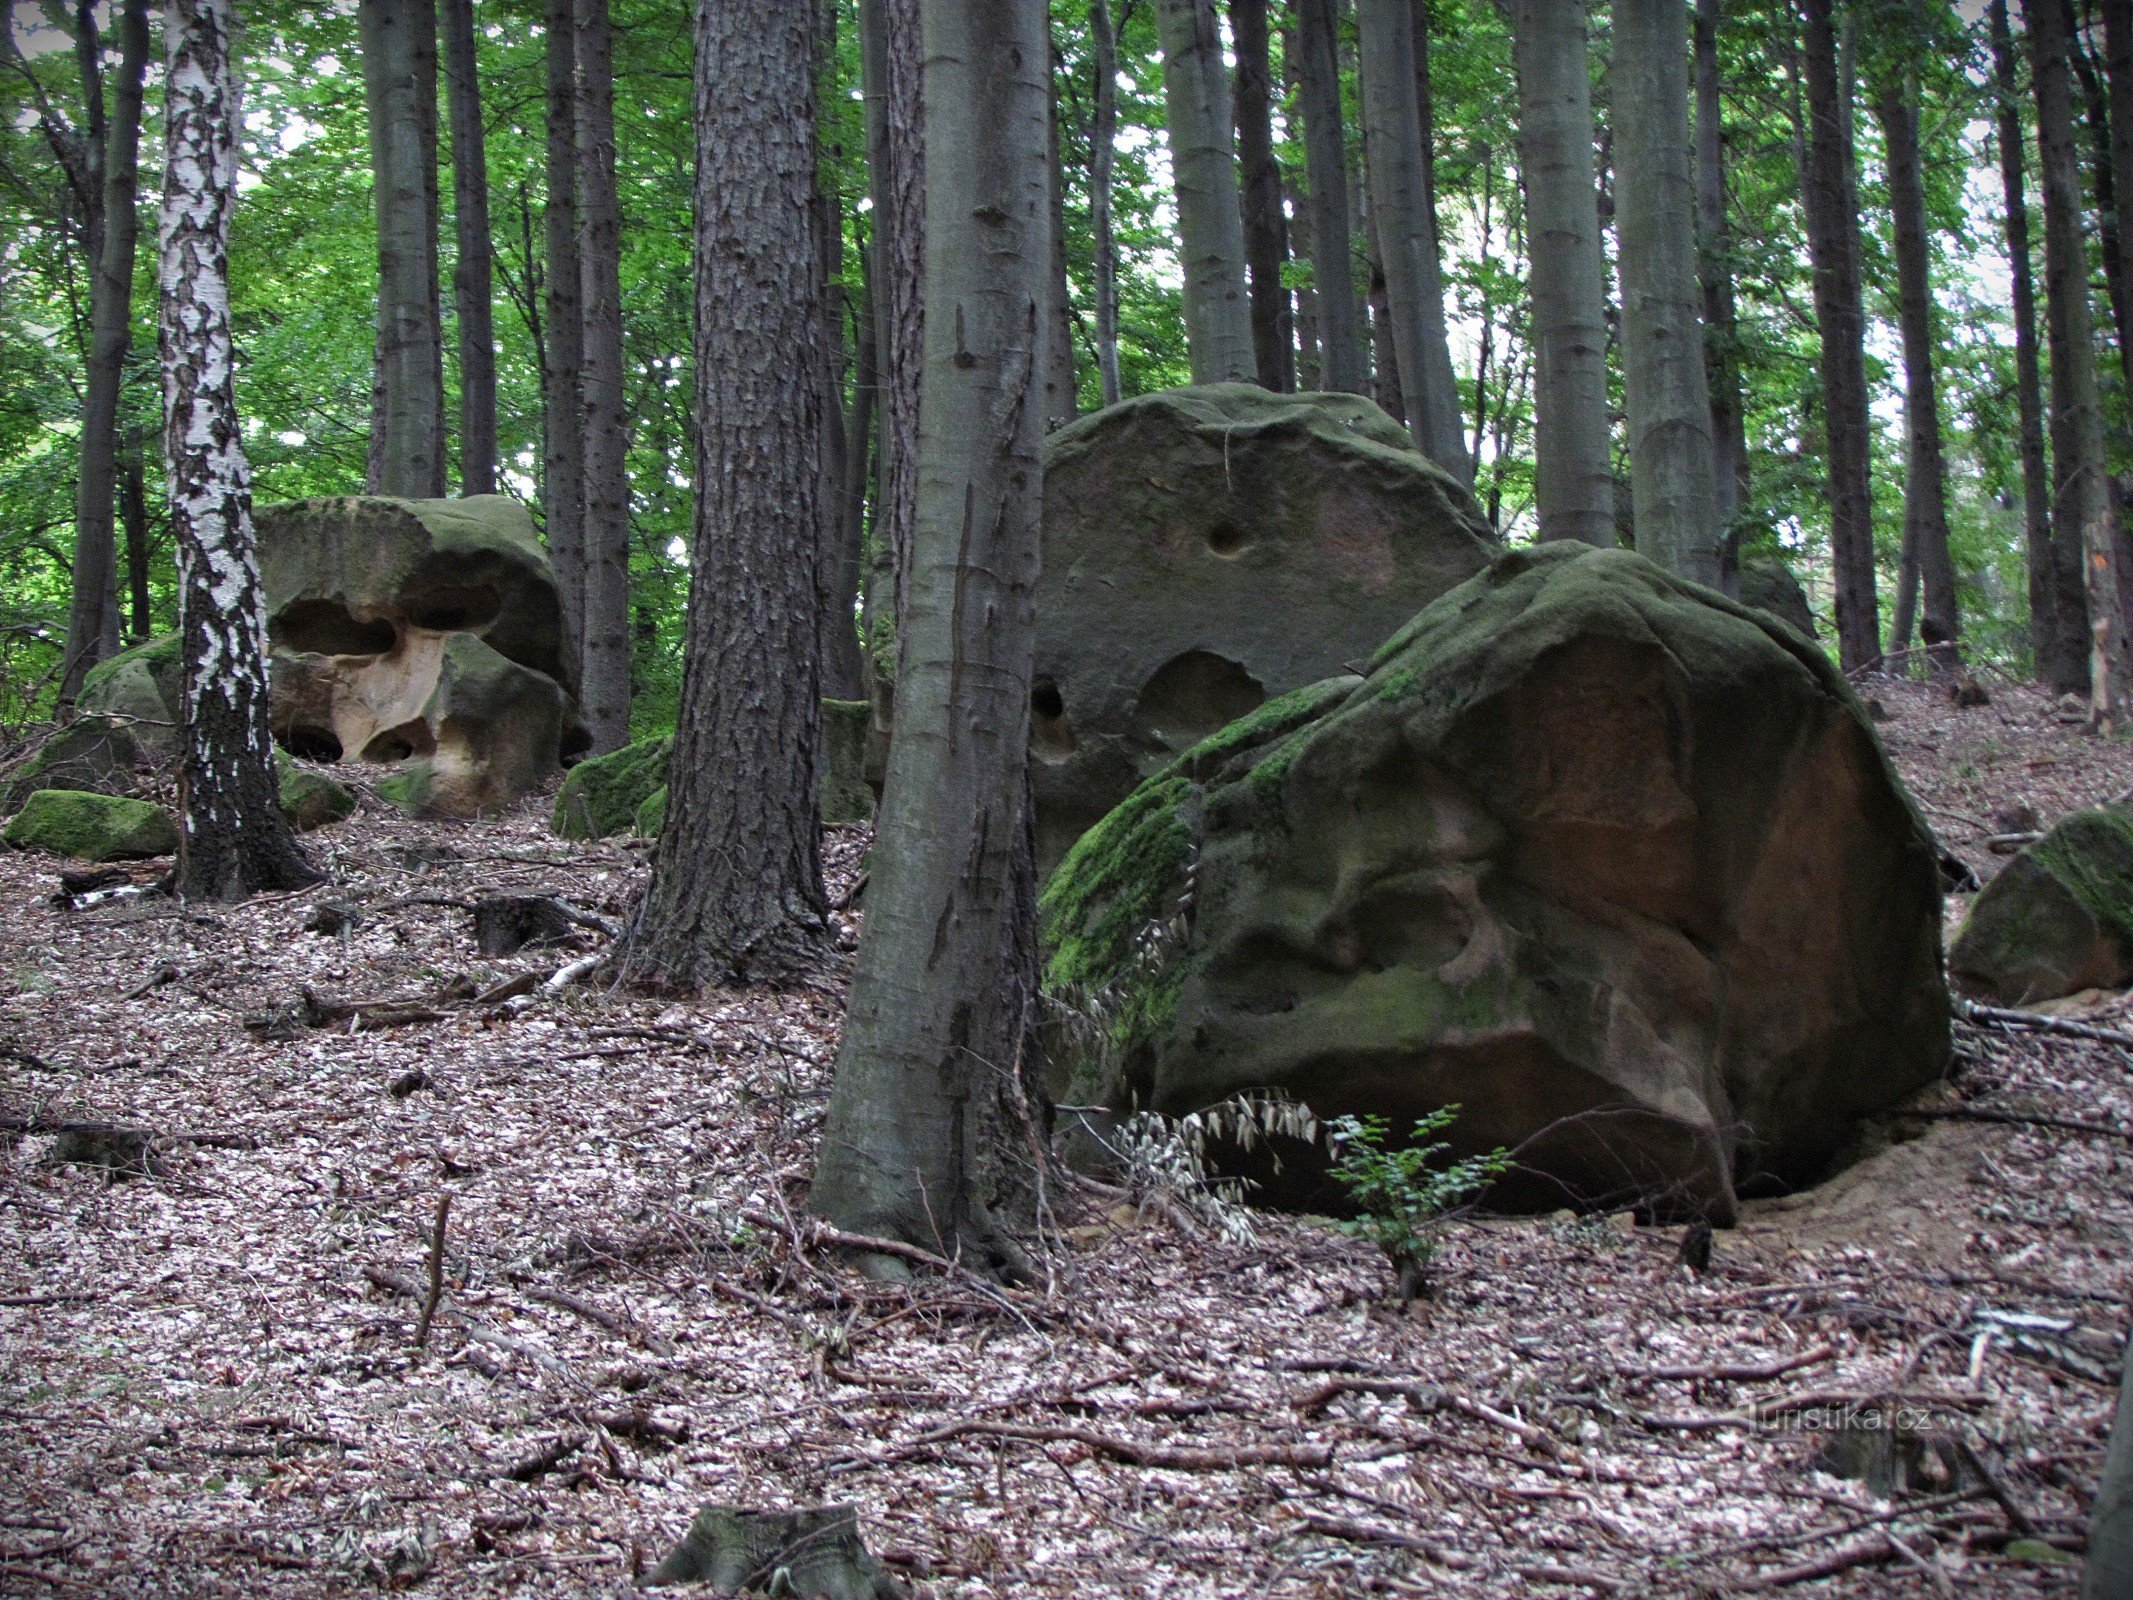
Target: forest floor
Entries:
(209, 1384)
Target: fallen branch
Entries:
(1356, 1531)
(1750, 1372)
(1173, 1457)
(2023, 1119)
(1971, 1012)
(602, 1318)
(546, 1457)
(1872, 1552)
(429, 1301)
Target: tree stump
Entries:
(812, 1553)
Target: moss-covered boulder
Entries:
(93, 753)
(1613, 863)
(92, 827)
(1768, 585)
(601, 796)
(140, 688)
(2057, 919)
(310, 799)
(1207, 549)
(651, 817)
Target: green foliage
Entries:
(1401, 1195)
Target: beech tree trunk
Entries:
(844, 434)
(2108, 1572)
(563, 350)
(234, 838)
(133, 517)
(736, 892)
(944, 990)
(1833, 244)
(1103, 165)
(407, 438)
(1266, 234)
(1925, 494)
(606, 692)
(2096, 102)
(1060, 398)
(1326, 170)
(92, 618)
(1407, 234)
(1729, 425)
(1218, 321)
(1574, 483)
(2118, 77)
(473, 274)
(2055, 648)
(2083, 500)
(889, 41)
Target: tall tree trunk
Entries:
(1729, 423)
(474, 272)
(1925, 493)
(1833, 245)
(2108, 1571)
(133, 517)
(235, 838)
(1218, 320)
(1406, 233)
(2056, 652)
(846, 677)
(844, 434)
(1060, 399)
(1574, 483)
(736, 892)
(1326, 171)
(563, 352)
(944, 991)
(407, 438)
(606, 667)
(2083, 501)
(896, 153)
(1103, 165)
(1673, 490)
(2096, 102)
(92, 618)
(2118, 75)
(1266, 240)
(1309, 374)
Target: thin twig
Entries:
(429, 1301)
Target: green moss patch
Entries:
(600, 797)
(92, 827)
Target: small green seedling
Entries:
(1401, 1196)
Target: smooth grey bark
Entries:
(1833, 245)
(736, 890)
(92, 617)
(890, 63)
(1326, 171)
(844, 664)
(1060, 399)
(1729, 423)
(605, 690)
(1925, 491)
(1296, 198)
(844, 434)
(234, 838)
(2118, 77)
(1218, 320)
(1406, 233)
(944, 991)
(1266, 238)
(2055, 649)
(563, 348)
(2083, 499)
(474, 272)
(2108, 1572)
(1574, 483)
(407, 435)
(2096, 103)
(1103, 165)
(1666, 393)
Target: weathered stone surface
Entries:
(93, 753)
(1613, 863)
(310, 799)
(1767, 584)
(2057, 919)
(1206, 549)
(142, 689)
(92, 827)
(601, 796)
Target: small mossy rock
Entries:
(1769, 586)
(601, 795)
(142, 688)
(310, 799)
(94, 753)
(92, 827)
(1207, 549)
(652, 815)
(1611, 862)
(2058, 919)
(408, 788)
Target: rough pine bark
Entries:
(945, 984)
(92, 617)
(736, 892)
(234, 838)
(1925, 491)
(1729, 424)
(1103, 165)
(1574, 484)
(1406, 233)
(2054, 645)
(1218, 320)
(1666, 392)
(1266, 236)
(605, 694)
(563, 347)
(1340, 327)
(407, 438)
(1833, 246)
(473, 274)
(2083, 500)
(896, 150)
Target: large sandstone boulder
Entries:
(2059, 917)
(1207, 549)
(1767, 584)
(1609, 861)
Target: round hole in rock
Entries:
(1191, 696)
(309, 742)
(453, 608)
(328, 628)
(1225, 539)
(1051, 735)
(403, 743)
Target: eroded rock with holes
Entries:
(424, 633)
(1207, 549)
(1612, 863)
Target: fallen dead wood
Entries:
(1971, 1012)
(601, 1317)
(1356, 1531)
(545, 1458)
(1174, 1457)
(1427, 1397)
(1739, 1372)
(2023, 1119)
(1871, 1552)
